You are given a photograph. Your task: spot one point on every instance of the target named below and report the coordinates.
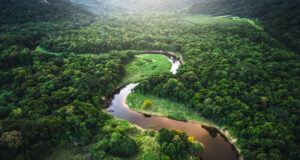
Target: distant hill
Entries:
(22, 11)
(102, 6)
(26, 22)
(97, 6)
(281, 18)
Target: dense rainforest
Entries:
(60, 63)
(48, 99)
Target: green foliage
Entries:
(176, 145)
(54, 99)
(195, 148)
(123, 38)
(280, 18)
(165, 157)
(241, 78)
(116, 144)
(19, 11)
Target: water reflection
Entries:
(175, 64)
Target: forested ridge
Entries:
(121, 32)
(280, 18)
(235, 75)
(108, 6)
(16, 11)
(24, 23)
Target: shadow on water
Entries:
(147, 115)
(175, 64)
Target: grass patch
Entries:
(178, 118)
(251, 22)
(145, 65)
(210, 20)
(220, 20)
(165, 108)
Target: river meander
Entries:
(215, 146)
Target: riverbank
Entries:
(166, 53)
(164, 108)
(170, 109)
(212, 143)
(178, 111)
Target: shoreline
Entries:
(166, 53)
(224, 133)
(210, 127)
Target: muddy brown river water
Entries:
(215, 146)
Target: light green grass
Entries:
(145, 65)
(165, 108)
(210, 20)
(251, 22)
(220, 20)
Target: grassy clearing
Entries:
(165, 108)
(251, 22)
(220, 20)
(149, 148)
(144, 66)
(210, 20)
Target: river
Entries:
(215, 146)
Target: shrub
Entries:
(116, 144)
(147, 104)
(176, 144)
(190, 139)
(98, 154)
(165, 157)
(195, 148)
